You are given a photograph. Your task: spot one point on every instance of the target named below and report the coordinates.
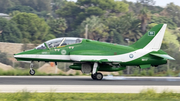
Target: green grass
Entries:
(146, 95)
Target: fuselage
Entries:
(91, 56)
(90, 50)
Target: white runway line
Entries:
(85, 88)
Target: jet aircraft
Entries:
(91, 56)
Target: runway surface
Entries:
(83, 84)
(86, 80)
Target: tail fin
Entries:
(152, 39)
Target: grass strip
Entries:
(145, 95)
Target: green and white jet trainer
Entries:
(91, 56)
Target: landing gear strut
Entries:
(95, 75)
(32, 71)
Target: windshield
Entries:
(60, 42)
(54, 43)
(69, 41)
(51, 43)
(42, 46)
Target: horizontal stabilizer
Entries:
(165, 56)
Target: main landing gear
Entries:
(32, 71)
(95, 75)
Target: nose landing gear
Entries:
(32, 71)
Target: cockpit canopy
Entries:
(60, 42)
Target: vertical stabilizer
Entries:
(152, 39)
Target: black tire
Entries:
(32, 72)
(99, 76)
(93, 76)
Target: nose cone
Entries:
(14, 55)
(24, 56)
(19, 56)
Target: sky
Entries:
(161, 3)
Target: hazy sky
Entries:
(158, 2)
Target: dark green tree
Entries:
(173, 12)
(166, 20)
(9, 31)
(101, 7)
(144, 16)
(134, 7)
(75, 13)
(20, 8)
(14, 13)
(137, 6)
(95, 28)
(33, 28)
(57, 4)
(126, 26)
(38, 5)
(4, 4)
(108, 5)
(57, 26)
(70, 12)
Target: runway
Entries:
(109, 84)
(86, 80)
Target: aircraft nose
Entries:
(15, 55)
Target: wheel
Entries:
(93, 76)
(99, 76)
(32, 72)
